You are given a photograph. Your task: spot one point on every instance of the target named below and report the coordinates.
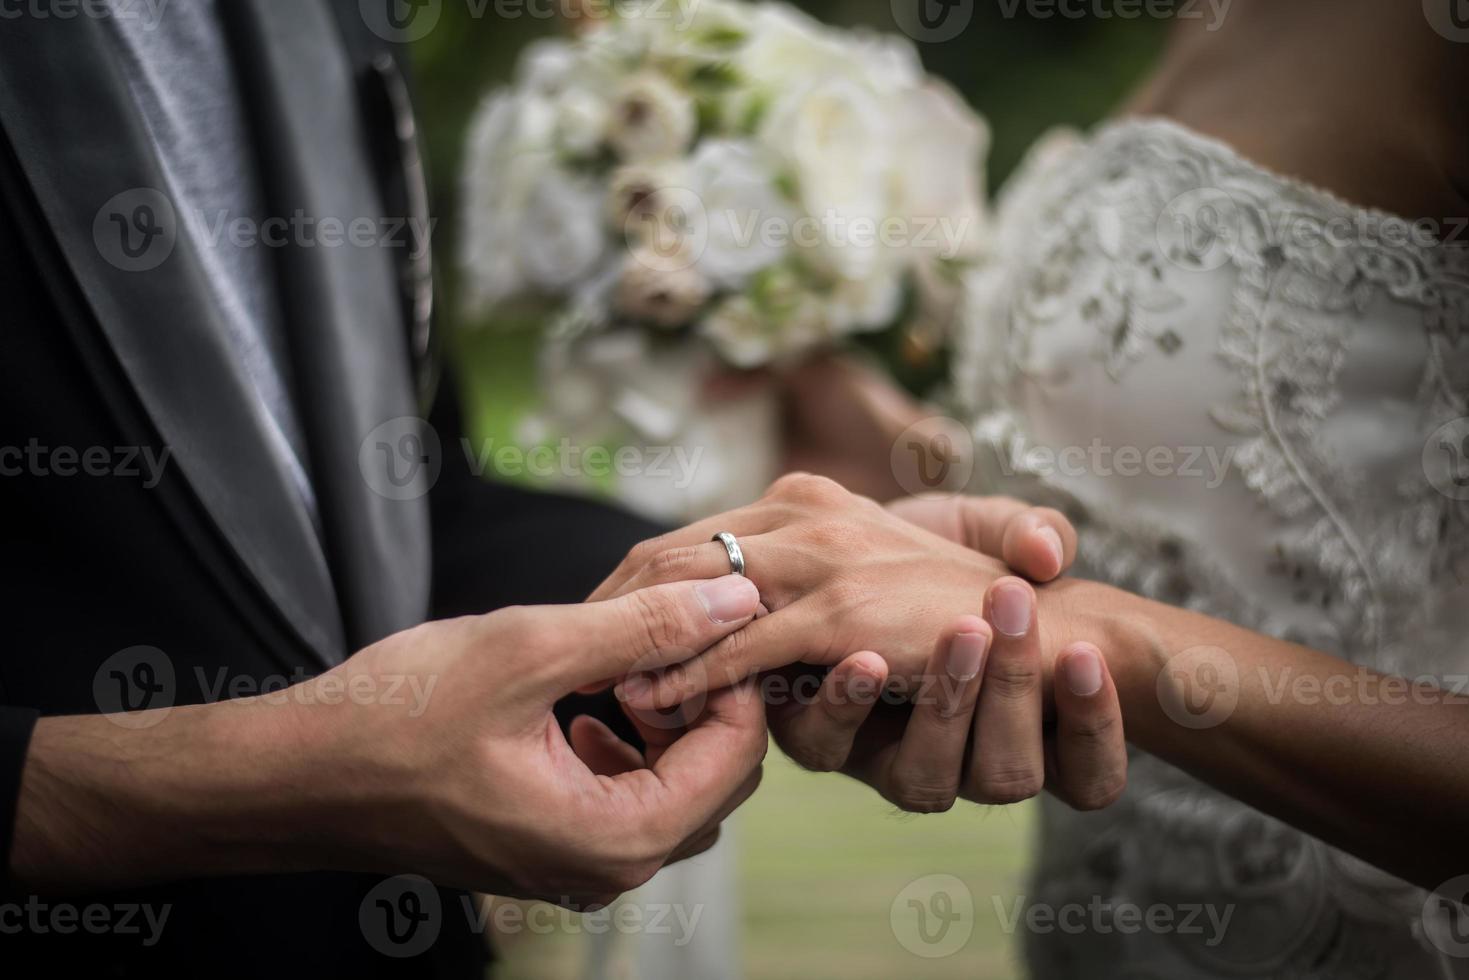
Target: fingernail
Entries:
(635, 688)
(1011, 610)
(1083, 670)
(729, 599)
(966, 656)
(1053, 544)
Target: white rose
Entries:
(504, 163)
(739, 332)
(669, 298)
(869, 303)
(651, 118)
(581, 122)
(748, 221)
(940, 149)
(561, 238)
(787, 48)
(633, 192)
(546, 66)
(785, 320)
(671, 31)
(837, 139)
(659, 214)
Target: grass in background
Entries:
(821, 860)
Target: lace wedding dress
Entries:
(1245, 391)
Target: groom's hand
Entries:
(468, 781)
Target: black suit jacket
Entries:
(217, 569)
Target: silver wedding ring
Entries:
(736, 555)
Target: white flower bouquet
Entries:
(696, 185)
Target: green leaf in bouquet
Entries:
(714, 75)
(789, 187)
(754, 111)
(708, 110)
(596, 164)
(721, 37)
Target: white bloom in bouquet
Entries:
(547, 66)
(562, 239)
(582, 122)
(938, 145)
(746, 216)
(642, 196)
(652, 119)
(835, 138)
(869, 303)
(741, 173)
(649, 291)
(774, 318)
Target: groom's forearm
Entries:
(236, 787)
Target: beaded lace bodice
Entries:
(1252, 397)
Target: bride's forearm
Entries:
(1332, 748)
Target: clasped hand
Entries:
(917, 600)
(483, 790)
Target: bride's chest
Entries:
(1188, 345)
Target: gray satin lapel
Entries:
(86, 154)
(349, 337)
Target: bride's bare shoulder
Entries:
(1364, 102)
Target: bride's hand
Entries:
(1037, 542)
(919, 755)
(972, 729)
(841, 419)
(839, 574)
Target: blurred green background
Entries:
(821, 858)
